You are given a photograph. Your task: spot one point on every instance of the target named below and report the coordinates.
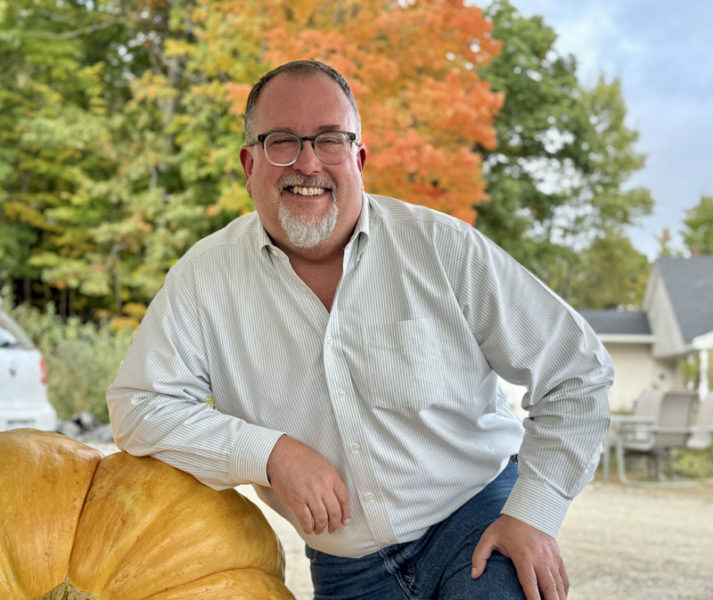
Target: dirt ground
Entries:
(644, 541)
(640, 542)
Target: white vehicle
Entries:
(23, 381)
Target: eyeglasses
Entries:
(283, 148)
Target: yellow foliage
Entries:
(118, 323)
(134, 309)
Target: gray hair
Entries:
(297, 67)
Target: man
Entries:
(351, 344)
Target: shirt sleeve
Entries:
(157, 404)
(532, 338)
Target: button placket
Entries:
(348, 415)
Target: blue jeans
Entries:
(437, 565)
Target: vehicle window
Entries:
(12, 335)
(6, 338)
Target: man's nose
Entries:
(307, 162)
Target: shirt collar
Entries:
(361, 230)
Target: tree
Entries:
(697, 232)
(117, 152)
(121, 124)
(556, 178)
(539, 88)
(612, 274)
(665, 241)
(54, 131)
(413, 67)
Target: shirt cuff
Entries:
(536, 505)
(254, 446)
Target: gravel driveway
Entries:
(638, 542)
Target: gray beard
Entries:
(308, 232)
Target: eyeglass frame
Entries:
(351, 136)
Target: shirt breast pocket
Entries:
(404, 370)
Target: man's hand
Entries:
(535, 554)
(306, 482)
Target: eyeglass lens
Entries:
(283, 149)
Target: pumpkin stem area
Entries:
(66, 591)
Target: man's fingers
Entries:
(547, 587)
(309, 485)
(528, 581)
(535, 554)
(565, 579)
(320, 516)
(340, 491)
(334, 513)
(304, 518)
(480, 557)
(551, 585)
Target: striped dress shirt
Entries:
(396, 385)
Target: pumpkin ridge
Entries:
(120, 478)
(229, 585)
(44, 478)
(74, 539)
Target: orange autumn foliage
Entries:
(413, 66)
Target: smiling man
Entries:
(303, 171)
(352, 344)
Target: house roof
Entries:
(617, 322)
(689, 285)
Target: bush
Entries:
(82, 358)
(697, 464)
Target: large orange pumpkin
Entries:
(76, 526)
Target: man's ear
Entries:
(361, 157)
(246, 159)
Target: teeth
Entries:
(307, 191)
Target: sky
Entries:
(662, 52)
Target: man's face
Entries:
(307, 205)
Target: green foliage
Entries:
(539, 88)
(696, 464)
(556, 178)
(118, 151)
(666, 244)
(611, 274)
(698, 227)
(82, 358)
(691, 371)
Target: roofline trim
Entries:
(627, 338)
(703, 341)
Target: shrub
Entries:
(82, 358)
(697, 464)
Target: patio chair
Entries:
(702, 430)
(646, 409)
(668, 427)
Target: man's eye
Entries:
(331, 139)
(283, 140)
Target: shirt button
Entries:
(355, 447)
(369, 497)
(342, 393)
(329, 340)
(304, 289)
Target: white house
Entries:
(649, 346)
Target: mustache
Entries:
(295, 179)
